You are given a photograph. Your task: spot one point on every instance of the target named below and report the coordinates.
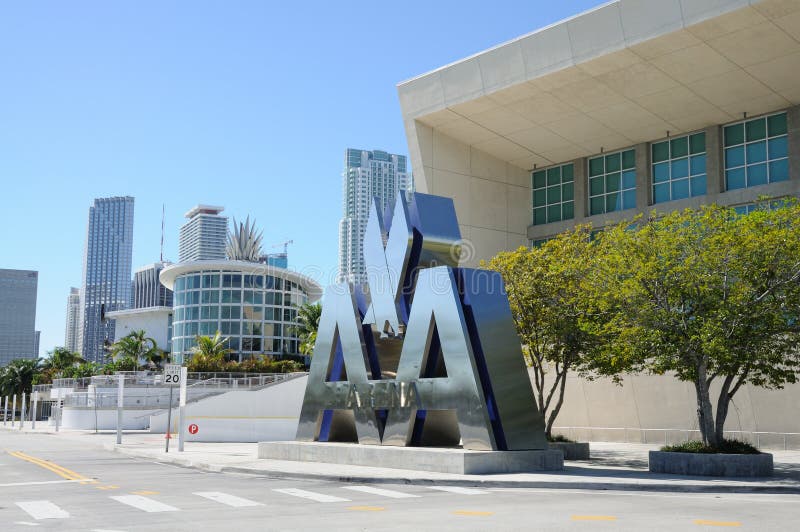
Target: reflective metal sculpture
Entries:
(424, 354)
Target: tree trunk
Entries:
(723, 401)
(551, 419)
(705, 414)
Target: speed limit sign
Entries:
(172, 374)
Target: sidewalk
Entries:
(614, 466)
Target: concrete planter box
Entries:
(712, 465)
(571, 450)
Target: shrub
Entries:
(727, 447)
(559, 438)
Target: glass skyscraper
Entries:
(72, 329)
(367, 174)
(18, 315)
(106, 272)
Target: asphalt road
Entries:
(50, 483)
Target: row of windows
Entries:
(233, 280)
(245, 344)
(227, 312)
(209, 328)
(195, 297)
(755, 153)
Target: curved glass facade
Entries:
(257, 312)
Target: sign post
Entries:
(182, 409)
(33, 410)
(172, 376)
(120, 399)
(13, 410)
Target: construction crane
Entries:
(285, 245)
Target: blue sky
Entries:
(245, 104)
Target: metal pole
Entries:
(5, 412)
(120, 398)
(58, 410)
(182, 409)
(95, 408)
(13, 411)
(33, 410)
(22, 412)
(169, 419)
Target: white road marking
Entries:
(230, 500)
(26, 523)
(39, 483)
(104, 530)
(381, 492)
(144, 503)
(460, 491)
(42, 510)
(314, 496)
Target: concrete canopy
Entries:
(627, 72)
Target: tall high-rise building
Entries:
(147, 291)
(106, 272)
(72, 329)
(17, 314)
(367, 174)
(203, 236)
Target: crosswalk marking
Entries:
(314, 496)
(144, 503)
(382, 492)
(43, 510)
(460, 491)
(230, 500)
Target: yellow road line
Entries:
(470, 512)
(366, 508)
(144, 492)
(50, 466)
(706, 522)
(105, 488)
(593, 518)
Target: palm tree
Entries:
(209, 353)
(18, 375)
(135, 346)
(62, 358)
(308, 317)
(244, 242)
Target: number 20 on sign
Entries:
(172, 374)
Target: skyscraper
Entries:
(147, 291)
(17, 314)
(203, 236)
(72, 330)
(106, 272)
(367, 174)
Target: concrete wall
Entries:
(270, 414)
(155, 325)
(645, 402)
(89, 418)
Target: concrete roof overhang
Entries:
(627, 72)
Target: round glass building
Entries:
(253, 304)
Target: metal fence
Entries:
(772, 440)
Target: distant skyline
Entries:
(245, 104)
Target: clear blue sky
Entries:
(245, 104)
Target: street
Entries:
(51, 483)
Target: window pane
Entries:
(699, 185)
(553, 194)
(595, 186)
(628, 159)
(734, 135)
(679, 147)
(629, 179)
(661, 172)
(612, 182)
(756, 152)
(596, 205)
(680, 189)
(539, 216)
(735, 179)
(661, 193)
(777, 124)
(568, 211)
(778, 148)
(756, 175)
(595, 166)
(539, 198)
(756, 129)
(613, 202)
(697, 164)
(539, 179)
(567, 191)
(660, 151)
(680, 168)
(697, 143)
(613, 163)
(567, 172)
(629, 199)
(779, 170)
(554, 176)
(734, 157)
(554, 213)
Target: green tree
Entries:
(209, 354)
(134, 347)
(710, 296)
(62, 358)
(308, 317)
(18, 376)
(554, 301)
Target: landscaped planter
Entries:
(712, 465)
(571, 450)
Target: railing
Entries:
(109, 401)
(750, 436)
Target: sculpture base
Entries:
(436, 459)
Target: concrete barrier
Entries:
(712, 465)
(571, 450)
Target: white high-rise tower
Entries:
(203, 236)
(73, 320)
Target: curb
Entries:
(478, 482)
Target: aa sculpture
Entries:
(424, 354)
